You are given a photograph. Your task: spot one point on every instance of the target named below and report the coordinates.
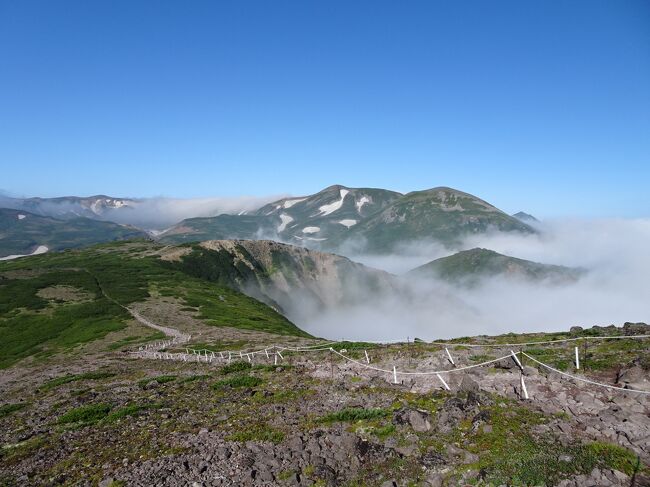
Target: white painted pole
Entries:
(451, 360)
(281, 357)
(577, 359)
(514, 356)
(367, 358)
(443, 382)
(266, 352)
(249, 357)
(523, 386)
(276, 359)
(394, 375)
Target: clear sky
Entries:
(540, 106)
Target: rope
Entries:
(536, 343)
(582, 379)
(448, 371)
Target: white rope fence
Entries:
(203, 355)
(583, 379)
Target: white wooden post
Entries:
(276, 359)
(266, 352)
(248, 356)
(514, 356)
(524, 391)
(281, 357)
(394, 375)
(451, 360)
(367, 358)
(577, 359)
(443, 382)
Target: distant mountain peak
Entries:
(525, 217)
(469, 266)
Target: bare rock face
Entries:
(294, 279)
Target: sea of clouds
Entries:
(616, 288)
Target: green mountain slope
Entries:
(469, 266)
(441, 214)
(22, 232)
(292, 279)
(328, 214)
(221, 227)
(57, 301)
(309, 220)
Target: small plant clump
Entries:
(235, 367)
(86, 414)
(7, 409)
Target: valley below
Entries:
(137, 363)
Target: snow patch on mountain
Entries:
(311, 230)
(313, 239)
(362, 201)
(290, 203)
(41, 249)
(286, 219)
(332, 207)
(20, 217)
(348, 222)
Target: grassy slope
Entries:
(217, 228)
(470, 264)
(425, 214)
(31, 325)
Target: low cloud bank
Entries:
(616, 288)
(159, 213)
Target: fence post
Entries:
(523, 386)
(451, 360)
(443, 382)
(514, 356)
(394, 375)
(577, 360)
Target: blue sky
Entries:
(540, 106)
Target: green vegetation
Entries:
(31, 325)
(355, 414)
(51, 384)
(86, 414)
(511, 454)
(7, 409)
(235, 367)
(20, 237)
(257, 432)
(223, 306)
(238, 381)
(161, 379)
(468, 266)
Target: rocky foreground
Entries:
(318, 419)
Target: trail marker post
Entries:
(514, 356)
(449, 357)
(367, 358)
(394, 375)
(524, 391)
(443, 382)
(577, 359)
